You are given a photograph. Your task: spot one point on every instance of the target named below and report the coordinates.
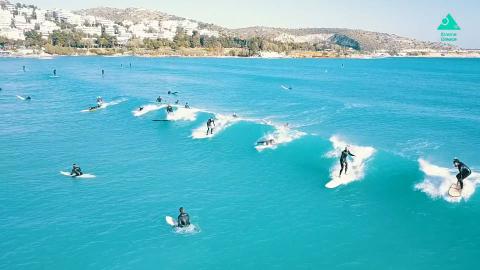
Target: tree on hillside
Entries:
(33, 38)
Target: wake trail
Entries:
(282, 135)
(438, 180)
(356, 168)
(221, 123)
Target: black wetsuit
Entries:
(343, 161)
(159, 99)
(76, 171)
(183, 220)
(210, 122)
(463, 172)
(169, 109)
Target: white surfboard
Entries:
(20, 97)
(170, 221)
(85, 175)
(455, 191)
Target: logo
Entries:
(448, 28)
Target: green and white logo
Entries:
(448, 23)
(448, 28)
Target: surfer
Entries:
(76, 171)
(28, 98)
(169, 109)
(99, 101)
(54, 72)
(172, 93)
(140, 109)
(187, 106)
(183, 218)
(103, 72)
(159, 99)
(463, 171)
(266, 142)
(343, 160)
(234, 115)
(210, 125)
(23, 68)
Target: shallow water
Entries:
(254, 209)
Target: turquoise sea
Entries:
(406, 119)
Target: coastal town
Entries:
(30, 31)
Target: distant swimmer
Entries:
(159, 99)
(54, 72)
(140, 109)
(172, 93)
(234, 115)
(130, 64)
(176, 102)
(266, 142)
(121, 65)
(103, 72)
(28, 98)
(343, 160)
(24, 69)
(76, 171)
(169, 109)
(210, 125)
(463, 171)
(187, 106)
(183, 219)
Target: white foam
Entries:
(356, 168)
(221, 123)
(20, 97)
(107, 104)
(281, 135)
(148, 108)
(190, 229)
(438, 180)
(183, 114)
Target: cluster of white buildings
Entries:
(15, 21)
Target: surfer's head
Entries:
(456, 161)
(181, 210)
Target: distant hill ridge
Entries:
(353, 38)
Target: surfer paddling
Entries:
(343, 160)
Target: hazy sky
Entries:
(417, 19)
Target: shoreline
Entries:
(195, 53)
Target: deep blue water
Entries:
(253, 210)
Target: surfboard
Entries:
(85, 175)
(455, 191)
(334, 183)
(170, 221)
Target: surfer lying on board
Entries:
(76, 171)
(210, 125)
(172, 93)
(266, 142)
(343, 160)
(183, 218)
(463, 171)
(159, 99)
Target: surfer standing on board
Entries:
(343, 160)
(463, 171)
(183, 218)
(210, 125)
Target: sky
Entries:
(416, 19)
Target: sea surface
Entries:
(251, 207)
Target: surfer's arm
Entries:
(351, 154)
